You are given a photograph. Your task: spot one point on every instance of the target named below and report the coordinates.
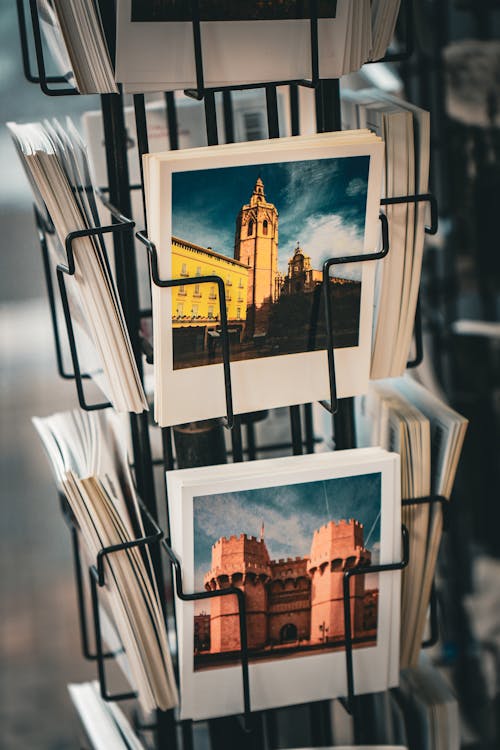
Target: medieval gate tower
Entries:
(336, 547)
(288, 600)
(256, 245)
(242, 562)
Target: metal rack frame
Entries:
(328, 118)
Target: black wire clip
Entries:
(348, 574)
(97, 580)
(44, 228)
(169, 283)
(42, 78)
(230, 591)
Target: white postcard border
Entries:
(267, 382)
(218, 692)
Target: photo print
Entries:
(266, 230)
(287, 548)
(230, 10)
(263, 217)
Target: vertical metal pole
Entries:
(309, 427)
(213, 140)
(173, 134)
(272, 112)
(329, 94)
(228, 117)
(211, 119)
(296, 430)
(294, 110)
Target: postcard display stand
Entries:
(252, 729)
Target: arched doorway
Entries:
(288, 633)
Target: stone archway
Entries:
(289, 633)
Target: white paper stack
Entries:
(403, 416)
(384, 16)
(430, 708)
(56, 163)
(75, 37)
(105, 724)
(406, 131)
(155, 55)
(90, 466)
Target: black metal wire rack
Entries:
(168, 733)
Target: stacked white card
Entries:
(106, 726)
(285, 499)
(405, 129)
(403, 416)
(56, 164)
(431, 709)
(156, 55)
(90, 466)
(75, 37)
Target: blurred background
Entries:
(455, 72)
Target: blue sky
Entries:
(321, 204)
(290, 513)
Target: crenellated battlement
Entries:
(339, 543)
(288, 599)
(240, 555)
(342, 524)
(234, 538)
(289, 568)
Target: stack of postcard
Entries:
(263, 217)
(56, 164)
(284, 531)
(74, 35)
(155, 49)
(384, 17)
(431, 710)
(403, 416)
(90, 467)
(106, 726)
(406, 132)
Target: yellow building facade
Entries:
(198, 304)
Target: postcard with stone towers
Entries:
(284, 532)
(264, 219)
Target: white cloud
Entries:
(305, 179)
(324, 237)
(375, 550)
(280, 531)
(356, 186)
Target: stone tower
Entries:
(242, 562)
(336, 547)
(256, 245)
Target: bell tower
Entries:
(256, 245)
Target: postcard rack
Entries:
(252, 730)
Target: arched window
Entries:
(288, 633)
(264, 226)
(250, 228)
